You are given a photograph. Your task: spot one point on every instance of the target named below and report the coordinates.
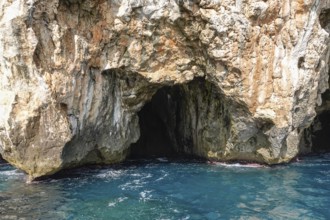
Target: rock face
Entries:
(224, 79)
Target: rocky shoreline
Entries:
(91, 82)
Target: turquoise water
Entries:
(171, 190)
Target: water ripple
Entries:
(173, 190)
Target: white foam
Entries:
(147, 176)
(112, 204)
(162, 177)
(162, 159)
(251, 165)
(119, 200)
(135, 184)
(11, 173)
(145, 195)
(321, 180)
(176, 211)
(122, 199)
(111, 174)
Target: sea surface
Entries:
(163, 189)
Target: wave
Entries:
(111, 174)
(119, 200)
(249, 165)
(162, 159)
(134, 184)
(162, 177)
(145, 195)
(11, 173)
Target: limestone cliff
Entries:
(235, 79)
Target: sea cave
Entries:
(182, 121)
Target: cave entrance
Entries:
(185, 120)
(154, 138)
(321, 133)
(321, 126)
(2, 160)
(159, 122)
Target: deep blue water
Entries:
(172, 190)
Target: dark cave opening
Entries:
(318, 133)
(321, 133)
(2, 160)
(183, 121)
(324, 18)
(159, 120)
(321, 127)
(316, 137)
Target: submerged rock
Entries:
(246, 77)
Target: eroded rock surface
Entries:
(74, 74)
